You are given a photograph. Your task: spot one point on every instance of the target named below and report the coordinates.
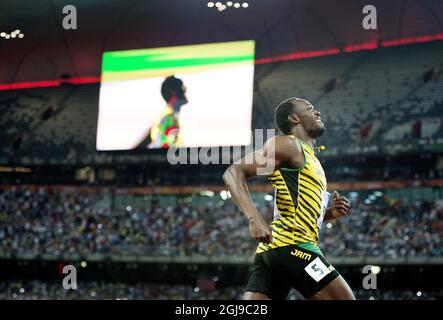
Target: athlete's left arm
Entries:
(340, 207)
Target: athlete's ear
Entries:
(293, 119)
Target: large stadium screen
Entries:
(185, 96)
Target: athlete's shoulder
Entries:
(286, 149)
(284, 143)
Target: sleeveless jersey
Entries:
(300, 202)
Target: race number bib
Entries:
(324, 204)
(317, 269)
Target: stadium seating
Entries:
(54, 223)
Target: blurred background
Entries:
(137, 227)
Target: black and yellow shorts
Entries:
(277, 270)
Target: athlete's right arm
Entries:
(276, 151)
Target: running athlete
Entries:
(288, 254)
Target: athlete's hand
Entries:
(340, 205)
(260, 230)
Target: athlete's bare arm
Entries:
(276, 151)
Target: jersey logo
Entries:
(301, 254)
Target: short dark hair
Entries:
(283, 110)
(171, 83)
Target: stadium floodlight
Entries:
(225, 194)
(2, 34)
(375, 269)
(236, 5)
(268, 197)
(229, 3)
(210, 4)
(245, 5)
(21, 35)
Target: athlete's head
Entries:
(173, 87)
(299, 114)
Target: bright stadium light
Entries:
(225, 195)
(375, 269)
(378, 193)
(329, 225)
(236, 5)
(268, 197)
(17, 31)
(372, 197)
(196, 289)
(245, 5)
(2, 34)
(83, 264)
(229, 3)
(13, 35)
(7, 36)
(22, 290)
(207, 193)
(21, 35)
(218, 4)
(367, 201)
(128, 208)
(210, 4)
(419, 293)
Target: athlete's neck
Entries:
(303, 136)
(176, 103)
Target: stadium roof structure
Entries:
(283, 30)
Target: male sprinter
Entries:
(288, 255)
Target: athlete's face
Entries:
(310, 118)
(181, 94)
